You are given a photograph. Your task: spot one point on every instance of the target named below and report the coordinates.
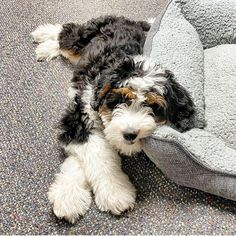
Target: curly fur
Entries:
(119, 99)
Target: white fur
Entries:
(47, 36)
(134, 118)
(112, 188)
(46, 32)
(94, 162)
(70, 193)
(47, 50)
(154, 77)
(140, 58)
(88, 99)
(142, 84)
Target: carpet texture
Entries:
(32, 98)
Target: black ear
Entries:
(180, 108)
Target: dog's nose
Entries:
(130, 136)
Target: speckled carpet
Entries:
(32, 97)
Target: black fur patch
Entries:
(75, 124)
(116, 31)
(113, 99)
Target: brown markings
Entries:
(125, 92)
(105, 90)
(153, 98)
(71, 55)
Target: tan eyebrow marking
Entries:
(105, 90)
(126, 92)
(73, 57)
(153, 98)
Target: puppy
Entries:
(118, 98)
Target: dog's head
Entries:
(134, 98)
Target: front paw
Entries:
(69, 202)
(115, 196)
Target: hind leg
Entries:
(68, 40)
(73, 38)
(49, 38)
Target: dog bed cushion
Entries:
(195, 39)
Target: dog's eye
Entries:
(145, 104)
(158, 110)
(112, 100)
(128, 102)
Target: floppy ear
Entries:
(180, 109)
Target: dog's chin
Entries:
(114, 132)
(126, 147)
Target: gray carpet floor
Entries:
(32, 98)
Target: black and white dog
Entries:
(118, 99)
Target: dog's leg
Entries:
(73, 38)
(111, 186)
(70, 193)
(92, 162)
(68, 39)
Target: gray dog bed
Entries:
(196, 40)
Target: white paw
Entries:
(46, 32)
(47, 50)
(115, 197)
(69, 202)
